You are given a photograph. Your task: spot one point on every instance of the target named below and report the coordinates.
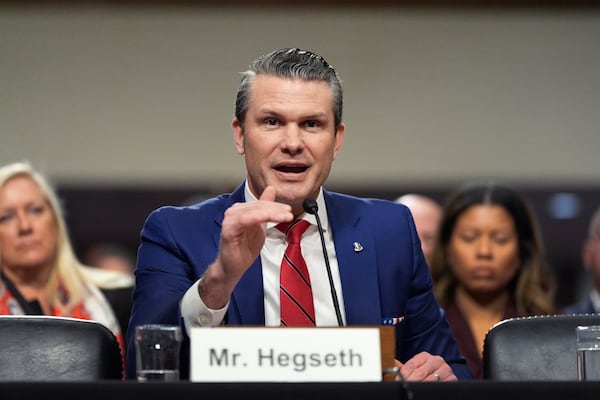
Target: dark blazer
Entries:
(387, 282)
(120, 301)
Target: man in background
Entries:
(590, 254)
(427, 213)
(117, 286)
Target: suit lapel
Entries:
(355, 248)
(357, 259)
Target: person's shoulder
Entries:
(107, 279)
(208, 206)
(369, 203)
(582, 307)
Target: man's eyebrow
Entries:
(318, 115)
(268, 111)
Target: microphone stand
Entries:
(311, 207)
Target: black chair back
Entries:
(534, 348)
(45, 348)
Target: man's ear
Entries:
(339, 139)
(238, 135)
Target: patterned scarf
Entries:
(93, 307)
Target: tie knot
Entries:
(294, 230)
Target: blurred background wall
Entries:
(127, 105)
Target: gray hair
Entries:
(290, 63)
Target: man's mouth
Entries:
(291, 168)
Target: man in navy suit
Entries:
(590, 254)
(217, 262)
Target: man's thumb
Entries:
(268, 194)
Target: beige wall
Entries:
(146, 96)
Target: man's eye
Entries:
(271, 121)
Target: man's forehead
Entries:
(275, 93)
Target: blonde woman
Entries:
(39, 271)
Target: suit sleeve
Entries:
(163, 274)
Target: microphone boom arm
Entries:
(310, 206)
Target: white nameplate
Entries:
(273, 354)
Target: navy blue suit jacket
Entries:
(583, 307)
(388, 279)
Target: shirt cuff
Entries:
(196, 314)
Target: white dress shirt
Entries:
(195, 312)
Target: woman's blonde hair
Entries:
(533, 285)
(67, 268)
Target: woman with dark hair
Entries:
(488, 264)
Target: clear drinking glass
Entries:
(588, 353)
(157, 352)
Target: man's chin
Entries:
(293, 198)
(289, 199)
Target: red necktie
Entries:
(295, 293)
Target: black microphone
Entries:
(311, 207)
